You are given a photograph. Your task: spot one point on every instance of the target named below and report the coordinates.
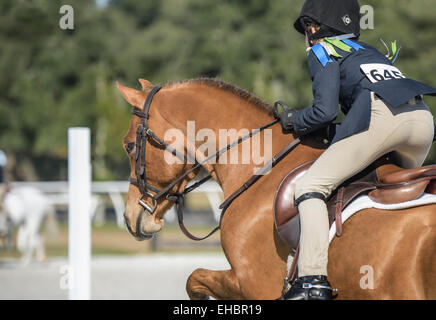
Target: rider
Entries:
(384, 112)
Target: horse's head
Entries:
(150, 172)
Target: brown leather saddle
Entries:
(383, 181)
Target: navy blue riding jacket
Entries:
(343, 82)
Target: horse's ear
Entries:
(144, 83)
(132, 96)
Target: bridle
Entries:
(144, 134)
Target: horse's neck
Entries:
(217, 110)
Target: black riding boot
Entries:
(310, 288)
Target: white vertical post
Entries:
(79, 213)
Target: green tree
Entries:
(53, 79)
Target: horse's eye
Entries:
(129, 147)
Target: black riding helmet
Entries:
(335, 17)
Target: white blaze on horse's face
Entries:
(142, 223)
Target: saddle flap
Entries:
(286, 218)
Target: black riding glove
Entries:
(287, 120)
(283, 113)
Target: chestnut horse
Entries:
(393, 252)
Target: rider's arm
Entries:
(326, 86)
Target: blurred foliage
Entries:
(52, 79)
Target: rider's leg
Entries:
(407, 130)
(417, 143)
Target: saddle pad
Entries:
(364, 202)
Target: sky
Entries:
(101, 3)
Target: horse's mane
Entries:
(220, 84)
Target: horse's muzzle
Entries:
(146, 226)
(138, 235)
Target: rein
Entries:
(144, 133)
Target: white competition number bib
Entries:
(376, 72)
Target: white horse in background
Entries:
(6, 242)
(27, 207)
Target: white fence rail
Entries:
(57, 191)
(79, 213)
